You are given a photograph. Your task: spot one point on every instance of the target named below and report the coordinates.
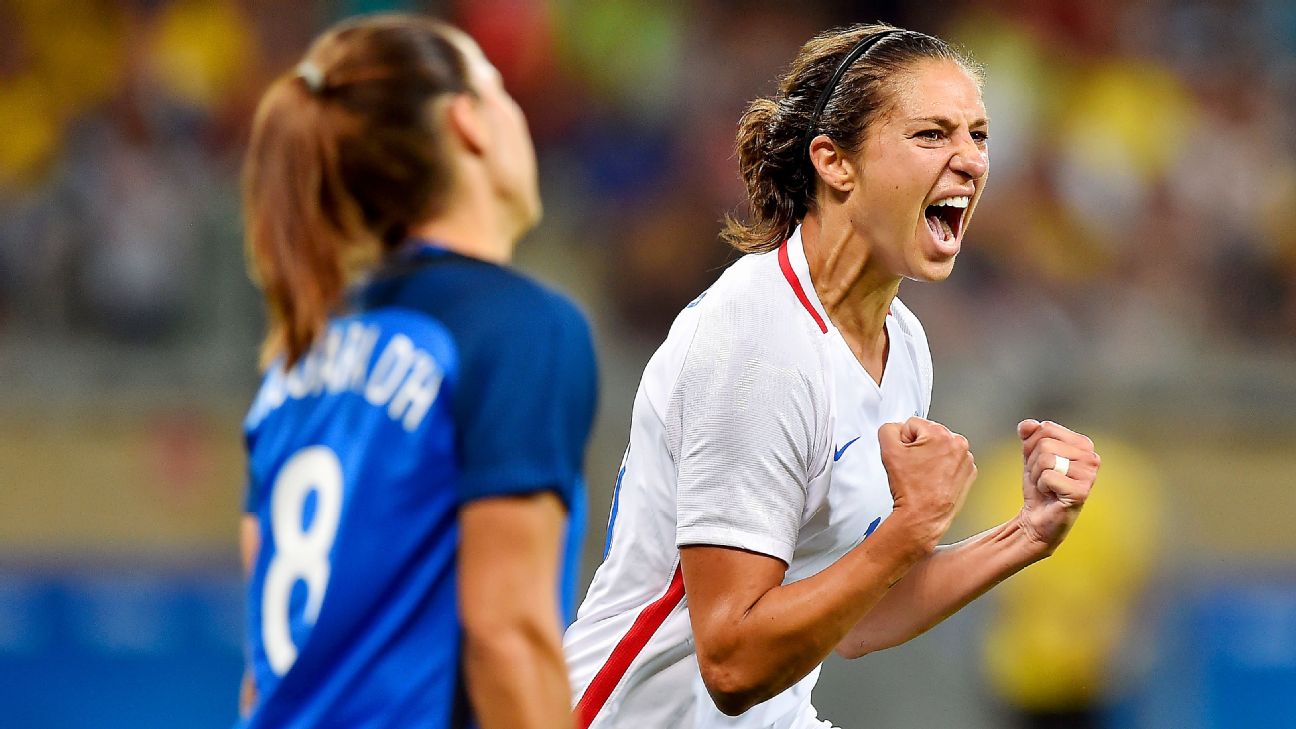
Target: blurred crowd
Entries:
(1144, 156)
(1137, 242)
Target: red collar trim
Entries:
(786, 265)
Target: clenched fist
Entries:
(1052, 500)
(930, 470)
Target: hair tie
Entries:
(312, 75)
(862, 46)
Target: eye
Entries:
(931, 135)
(980, 137)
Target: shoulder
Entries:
(485, 305)
(919, 351)
(909, 323)
(748, 350)
(752, 310)
(529, 309)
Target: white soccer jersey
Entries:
(754, 427)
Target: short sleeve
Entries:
(742, 427)
(525, 399)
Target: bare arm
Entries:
(939, 586)
(249, 547)
(508, 568)
(955, 575)
(756, 637)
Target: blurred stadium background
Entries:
(1132, 271)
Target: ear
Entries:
(465, 122)
(832, 163)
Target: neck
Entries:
(471, 224)
(856, 295)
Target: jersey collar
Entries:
(795, 268)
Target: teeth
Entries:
(954, 202)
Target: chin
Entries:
(527, 217)
(932, 271)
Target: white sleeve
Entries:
(742, 426)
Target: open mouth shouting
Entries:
(946, 218)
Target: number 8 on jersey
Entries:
(301, 553)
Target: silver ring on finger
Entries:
(1061, 464)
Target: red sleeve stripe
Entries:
(792, 279)
(631, 644)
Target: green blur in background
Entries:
(1131, 273)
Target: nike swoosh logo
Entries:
(872, 527)
(837, 456)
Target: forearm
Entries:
(249, 547)
(513, 657)
(791, 628)
(517, 679)
(247, 694)
(940, 585)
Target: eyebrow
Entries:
(947, 123)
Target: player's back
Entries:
(357, 472)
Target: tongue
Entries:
(934, 222)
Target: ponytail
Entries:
(769, 160)
(345, 156)
(300, 221)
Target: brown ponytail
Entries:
(345, 155)
(772, 156)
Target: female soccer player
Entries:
(415, 452)
(782, 495)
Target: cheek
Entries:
(906, 179)
(898, 205)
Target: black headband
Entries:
(861, 47)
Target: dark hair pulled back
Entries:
(345, 156)
(773, 133)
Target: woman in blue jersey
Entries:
(416, 446)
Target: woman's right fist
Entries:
(930, 470)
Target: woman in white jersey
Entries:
(782, 495)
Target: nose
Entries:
(970, 160)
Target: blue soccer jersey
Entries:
(453, 379)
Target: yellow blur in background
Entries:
(1131, 273)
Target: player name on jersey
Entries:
(403, 378)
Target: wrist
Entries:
(919, 534)
(1029, 542)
